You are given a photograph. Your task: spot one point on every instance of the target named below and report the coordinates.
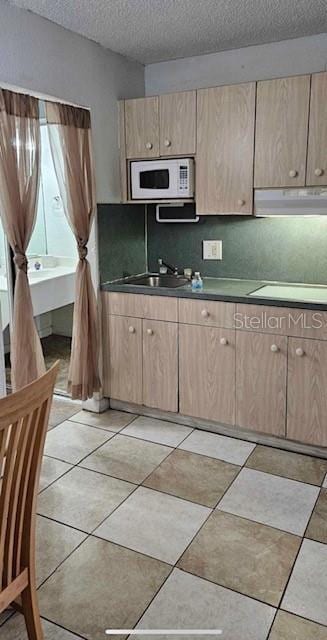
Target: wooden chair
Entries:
(23, 425)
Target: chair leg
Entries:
(30, 610)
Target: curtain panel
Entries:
(71, 147)
(19, 184)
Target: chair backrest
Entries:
(23, 425)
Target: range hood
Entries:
(305, 201)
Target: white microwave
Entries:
(162, 179)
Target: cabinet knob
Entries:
(167, 143)
(223, 341)
(131, 329)
(274, 348)
(318, 172)
(149, 332)
(149, 145)
(299, 352)
(241, 202)
(205, 313)
(292, 173)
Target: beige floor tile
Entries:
(127, 458)
(71, 441)
(51, 470)
(101, 586)
(62, 409)
(154, 523)
(279, 502)
(15, 629)
(83, 498)
(158, 431)
(306, 594)
(324, 484)
(193, 477)
(247, 557)
(187, 602)
(317, 527)
(111, 419)
(5, 615)
(287, 464)
(216, 446)
(290, 627)
(54, 543)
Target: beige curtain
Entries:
(19, 183)
(70, 140)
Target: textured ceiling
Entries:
(155, 30)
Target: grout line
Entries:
(92, 534)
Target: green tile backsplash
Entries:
(286, 249)
(121, 230)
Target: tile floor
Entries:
(151, 525)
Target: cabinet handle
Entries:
(318, 172)
(274, 348)
(223, 341)
(167, 143)
(131, 329)
(149, 145)
(292, 173)
(241, 202)
(299, 352)
(205, 313)
(149, 332)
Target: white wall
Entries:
(290, 57)
(39, 56)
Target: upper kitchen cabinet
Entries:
(281, 132)
(177, 123)
(142, 128)
(225, 148)
(317, 146)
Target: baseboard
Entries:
(221, 429)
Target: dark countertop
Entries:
(224, 289)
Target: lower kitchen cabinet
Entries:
(207, 373)
(307, 391)
(160, 365)
(125, 353)
(261, 370)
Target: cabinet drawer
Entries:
(160, 308)
(300, 323)
(124, 304)
(207, 312)
(142, 306)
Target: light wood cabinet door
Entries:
(281, 132)
(177, 123)
(317, 144)
(307, 397)
(160, 365)
(142, 128)
(225, 147)
(261, 368)
(207, 373)
(125, 353)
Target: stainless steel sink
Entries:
(169, 281)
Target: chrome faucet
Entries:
(162, 263)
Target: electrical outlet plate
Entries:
(212, 249)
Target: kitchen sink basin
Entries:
(169, 281)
